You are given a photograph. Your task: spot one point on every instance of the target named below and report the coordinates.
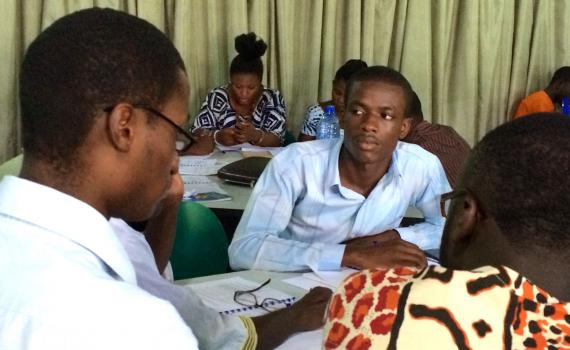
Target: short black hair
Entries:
(248, 60)
(348, 69)
(519, 171)
(561, 74)
(382, 74)
(559, 86)
(416, 108)
(85, 62)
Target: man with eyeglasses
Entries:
(103, 95)
(505, 253)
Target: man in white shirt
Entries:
(103, 95)
(330, 203)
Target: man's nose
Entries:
(369, 123)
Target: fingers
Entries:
(390, 254)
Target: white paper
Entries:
(328, 279)
(219, 295)
(191, 165)
(199, 184)
(248, 147)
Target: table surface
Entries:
(240, 194)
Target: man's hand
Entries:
(305, 315)
(161, 228)
(383, 254)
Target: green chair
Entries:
(289, 138)
(201, 245)
(11, 167)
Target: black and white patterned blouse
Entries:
(313, 116)
(217, 113)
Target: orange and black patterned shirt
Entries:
(438, 308)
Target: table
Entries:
(240, 194)
(304, 340)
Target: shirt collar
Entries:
(68, 217)
(333, 174)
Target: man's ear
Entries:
(405, 128)
(120, 126)
(467, 217)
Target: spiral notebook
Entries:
(219, 295)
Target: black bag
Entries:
(244, 171)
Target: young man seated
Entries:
(330, 203)
(505, 250)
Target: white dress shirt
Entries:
(299, 213)
(214, 331)
(67, 283)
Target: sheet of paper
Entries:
(329, 279)
(249, 148)
(219, 295)
(191, 165)
(199, 184)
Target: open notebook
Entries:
(219, 295)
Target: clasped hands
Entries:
(243, 132)
(384, 250)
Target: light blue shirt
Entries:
(299, 213)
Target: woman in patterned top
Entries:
(315, 112)
(243, 110)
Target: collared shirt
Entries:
(217, 113)
(438, 308)
(299, 213)
(214, 331)
(441, 140)
(67, 283)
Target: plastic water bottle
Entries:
(328, 127)
(566, 105)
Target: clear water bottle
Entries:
(328, 127)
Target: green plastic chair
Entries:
(201, 246)
(289, 138)
(11, 166)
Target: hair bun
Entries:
(249, 47)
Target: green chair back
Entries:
(289, 138)
(201, 245)
(11, 167)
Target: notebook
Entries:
(244, 171)
(219, 295)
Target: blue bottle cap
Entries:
(329, 109)
(565, 105)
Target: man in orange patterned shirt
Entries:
(508, 225)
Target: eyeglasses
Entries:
(445, 200)
(247, 298)
(183, 138)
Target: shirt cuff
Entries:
(250, 342)
(407, 234)
(331, 256)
